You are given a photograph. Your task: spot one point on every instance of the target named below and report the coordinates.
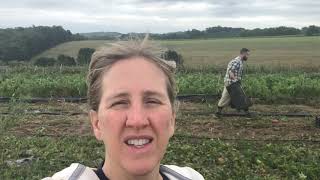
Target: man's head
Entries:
(244, 54)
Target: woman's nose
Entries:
(137, 117)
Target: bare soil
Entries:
(255, 128)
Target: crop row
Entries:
(265, 86)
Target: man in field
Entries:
(232, 92)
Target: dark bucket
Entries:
(318, 121)
(239, 100)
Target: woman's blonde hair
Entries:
(103, 59)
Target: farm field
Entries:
(283, 147)
(282, 78)
(237, 147)
(268, 87)
(295, 52)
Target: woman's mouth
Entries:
(138, 143)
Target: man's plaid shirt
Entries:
(235, 66)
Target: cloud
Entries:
(157, 15)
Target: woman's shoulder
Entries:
(81, 172)
(74, 171)
(180, 173)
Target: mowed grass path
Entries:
(274, 51)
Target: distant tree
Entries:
(23, 43)
(194, 33)
(219, 31)
(84, 55)
(172, 55)
(78, 37)
(65, 60)
(45, 61)
(277, 31)
(311, 30)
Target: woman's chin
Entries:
(140, 168)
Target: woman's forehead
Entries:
(129, 94)
(134, 74)
(135, 65)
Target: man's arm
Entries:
(234, 67)
(231, 75)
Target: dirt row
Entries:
(250, 128)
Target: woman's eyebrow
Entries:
(153, 93)
(118, 95)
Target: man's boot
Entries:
(219, 112)
(246, 111)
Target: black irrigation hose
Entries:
(200, 138)
(187, 97)
(226, 114)
(46, 113)
(241, 139)
(253, 114)
(44, 100)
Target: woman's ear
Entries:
(95, 124)
(172, 124)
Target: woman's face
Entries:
(135, 118)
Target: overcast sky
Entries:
(158, 16)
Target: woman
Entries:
(131, 93)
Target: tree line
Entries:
(22, 43)
(83, 58)
(213, 32)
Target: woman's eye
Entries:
(153, 101)
(119, 103)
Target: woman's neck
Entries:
(114, 172)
